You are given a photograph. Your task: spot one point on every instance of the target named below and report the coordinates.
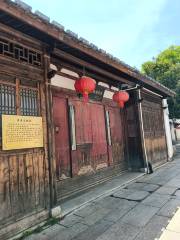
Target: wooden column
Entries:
(50, 134)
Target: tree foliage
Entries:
(165, 68)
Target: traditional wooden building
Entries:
(83, 144)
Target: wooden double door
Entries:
(88, 137)
(154, 131)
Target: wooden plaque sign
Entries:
(19, 132)
(98, 94)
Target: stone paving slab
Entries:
(109, 202)
(148, 187)
(94, 231)
(153, 229)
(70, 220)
(88, 210)
(174, 183)
(136, 185)
(156, 200)
(133, 195)
(156, 180)
(132, 213)
(120, 231)
(123, 193)
(140, 215)
(48, 233)
(124, 207)
(169, 208)
(70, 233)
(138, 196)
(104, 189)
(58, 232)
(166, 190)
(96, 216)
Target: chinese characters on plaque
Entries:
(20, 132)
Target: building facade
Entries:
(83, 144)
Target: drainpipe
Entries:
(142, 132)
(167, 129)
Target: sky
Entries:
(133, 30)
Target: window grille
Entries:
(29, 102)
(18, 99)
(7, 99)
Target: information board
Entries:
(19, 132)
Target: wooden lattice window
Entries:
(16, 98)
(19, 52)
(29, 102)
(7, 99)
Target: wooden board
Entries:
(24, 176)
(117, 138)
(62, 141)
(134, 148)
(155, 140)
(91, 152)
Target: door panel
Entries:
(117, 138)
(155, 140)
(62, 148)
(99, 149)
(81, 162)
(133, 134)
(91, 149)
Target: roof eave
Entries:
(60, 35)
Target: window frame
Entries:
(18, 88)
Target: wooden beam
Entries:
(89, 66)
(79, 71)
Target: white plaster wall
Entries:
(178, 134)
(63, 82)
(167, 129)
(108, 94)
(67, 83)
(71, 73)
(172, 132)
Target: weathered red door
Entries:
(62, 145)
(117, 148)
(90, 152)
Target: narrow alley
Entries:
(138, 211)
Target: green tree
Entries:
(165, 68)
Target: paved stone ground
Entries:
(137, 212)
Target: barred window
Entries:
(16, 98)
(29, 102)
(7, 99)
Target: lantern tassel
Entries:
(121, 104)
(85, 97)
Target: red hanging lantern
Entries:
(121, 97)
(85, 85)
